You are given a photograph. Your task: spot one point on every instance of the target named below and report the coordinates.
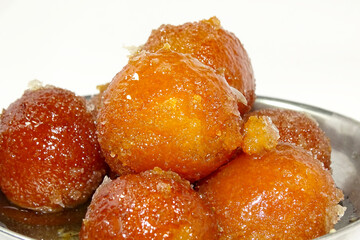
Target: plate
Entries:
(344, 134)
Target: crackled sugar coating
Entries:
(49, 155)
(151, 205)
(207, 41)
(300, 129)
(168, 110)
(283, 194)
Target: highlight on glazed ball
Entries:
(300, 129)
(283, 194)
(154, 204)
(50, 158)
(214, 46)
(168, 110)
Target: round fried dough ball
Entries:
(207, 41)
(168, 110)
(151, 205)
(283, 194)
(49, 156)
(300, 129)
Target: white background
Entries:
(305, 51)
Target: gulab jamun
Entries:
(154, 204)
(283, 194)
(168, 110)
(300, 129)
(214, 46)
(50, 158)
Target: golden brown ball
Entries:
(151, 205)
(300, 129)
(282, 194)
(168, 110)
(214, 46)
(49, 155)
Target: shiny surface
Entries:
(281, 194)
(154, 205)
(214, 46)
(50, 158)
(300, 129)
(344, 134)
(168, 110)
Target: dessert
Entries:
(151, 205)
(300, 129)
(168, 110)
(177, 105)
(282, 194)
(50, 158)
(214, 46)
